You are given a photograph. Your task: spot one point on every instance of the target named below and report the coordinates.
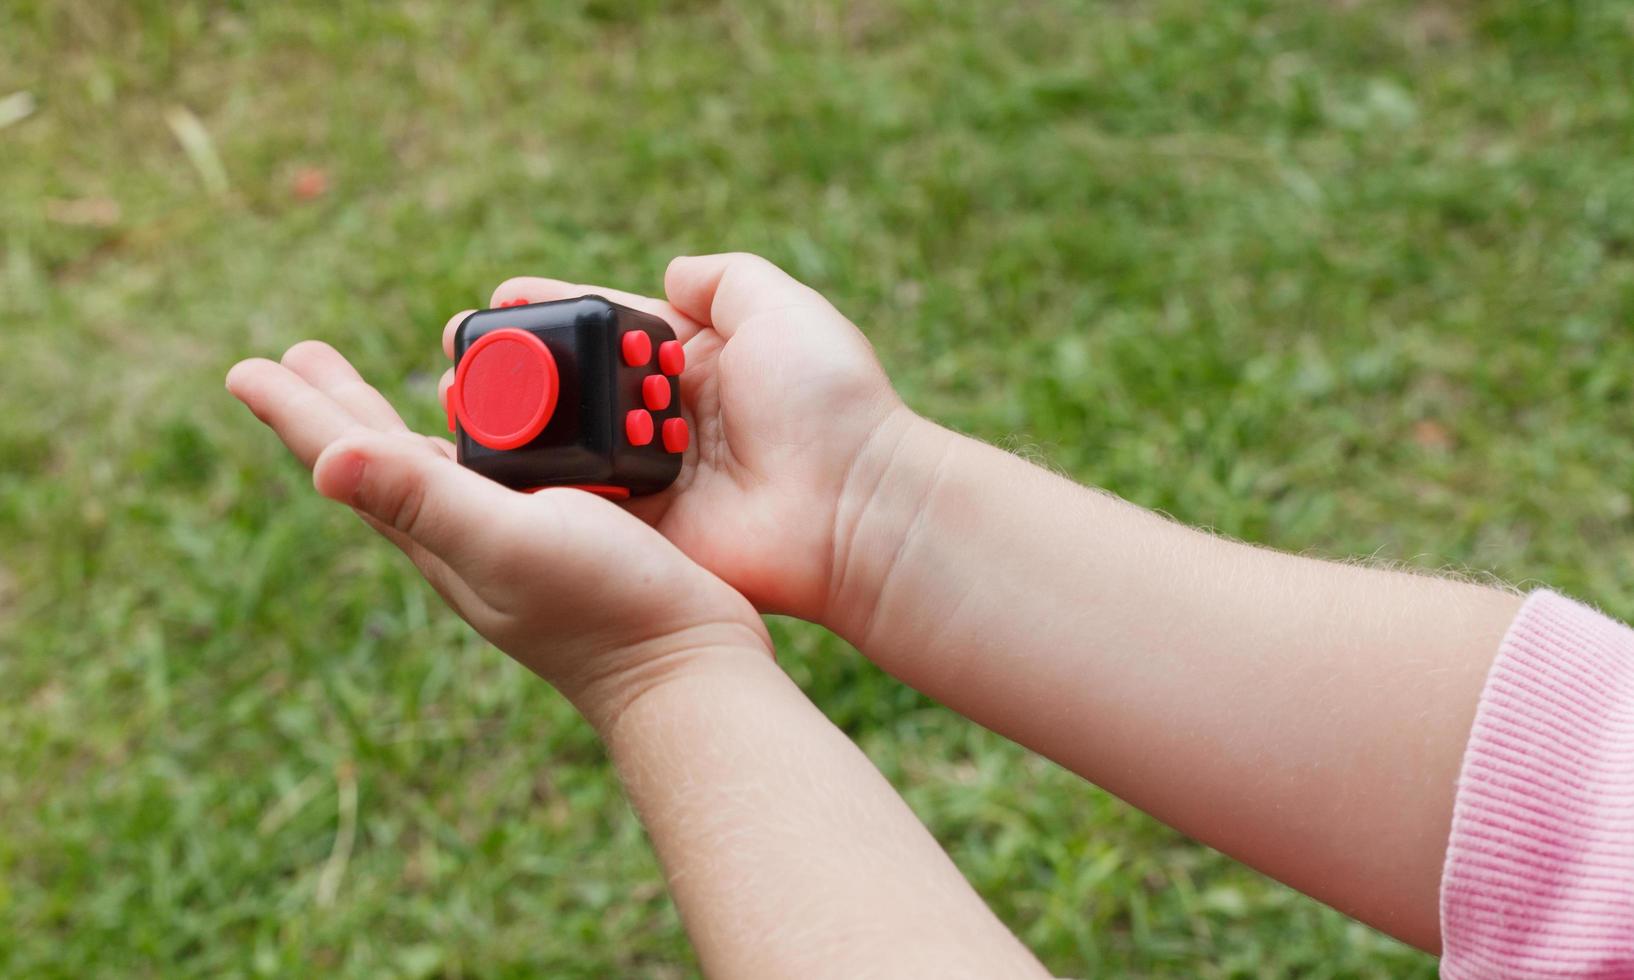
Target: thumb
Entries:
(726, 290)
(445, 508)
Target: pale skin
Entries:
(1305, 717)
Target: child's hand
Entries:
(585, 595)
(762, 812)
(785, 394)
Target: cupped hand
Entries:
(583, 593)
(786, 397)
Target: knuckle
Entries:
(738, 278)
(748, 265)
(403, 506)
(453, 322)
(440, 446)
(513, 284)
(306, 350)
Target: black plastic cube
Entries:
(577, 392)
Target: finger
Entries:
(443, 447)
(457, 516)
(449, 328)
(433, 568)
(560, 555)
(472, 524)
(305, 418)
(535, 289)
(325, 369)
(727, 290)
(443, 384)
(441, 578)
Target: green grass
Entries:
(1348, 278)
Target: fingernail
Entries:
(343, 478)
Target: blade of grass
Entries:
(16, 107)
(199, 148)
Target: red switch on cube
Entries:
(567, 394)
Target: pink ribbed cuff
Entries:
(1539, 879)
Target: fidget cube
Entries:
(577, 392)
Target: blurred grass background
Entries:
(1345, 277)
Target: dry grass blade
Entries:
(16, 107)
(334, 869)
(199, 147)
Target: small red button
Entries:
(637, 347)
(655, 392)
(676, 435)
(505, 388)
(672, 359)
(638, 427)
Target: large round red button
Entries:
(505, 388)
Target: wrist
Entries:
(611, 685)
(884, 504)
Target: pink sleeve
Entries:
(1539, 879)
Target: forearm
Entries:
(1306, 717)
(787, 852)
